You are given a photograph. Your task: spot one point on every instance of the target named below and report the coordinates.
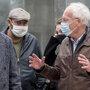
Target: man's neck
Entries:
(77, 35)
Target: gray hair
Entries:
(80, 11)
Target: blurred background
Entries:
(44, 14)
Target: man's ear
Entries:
(80, 21)
(9, 22)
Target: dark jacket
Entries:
(51, 47)
(67, 70)
(28, 75)
(9, 74)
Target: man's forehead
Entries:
(23, 20)
(67, 15)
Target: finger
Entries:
(30, 65)
(81, 59)
(83, 63)
(31, 58)
(30, 61)
(56, 32)
(43, 58)
(82, 56)
(84, 67)
(35, 56)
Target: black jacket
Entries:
(49, 53)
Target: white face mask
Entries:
(19, 31)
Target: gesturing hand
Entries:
(35, 62)
(84, 62)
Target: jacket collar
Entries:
(86, 42)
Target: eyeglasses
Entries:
(68, 20)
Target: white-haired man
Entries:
(25, 44)
(68, 68)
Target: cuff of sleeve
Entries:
(41, 69)
(88, 73)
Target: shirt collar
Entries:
(76, 41)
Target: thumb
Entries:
(43, 58)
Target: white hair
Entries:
(80, 11)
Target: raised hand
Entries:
(84, 62)
(35, 62)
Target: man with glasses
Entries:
(68, 69)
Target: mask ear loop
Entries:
(73, 29)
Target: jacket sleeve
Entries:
(50, 72)
(37, 48)
(14, 78)
(41, 81)
(49, 53)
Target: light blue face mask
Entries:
(65, 28)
